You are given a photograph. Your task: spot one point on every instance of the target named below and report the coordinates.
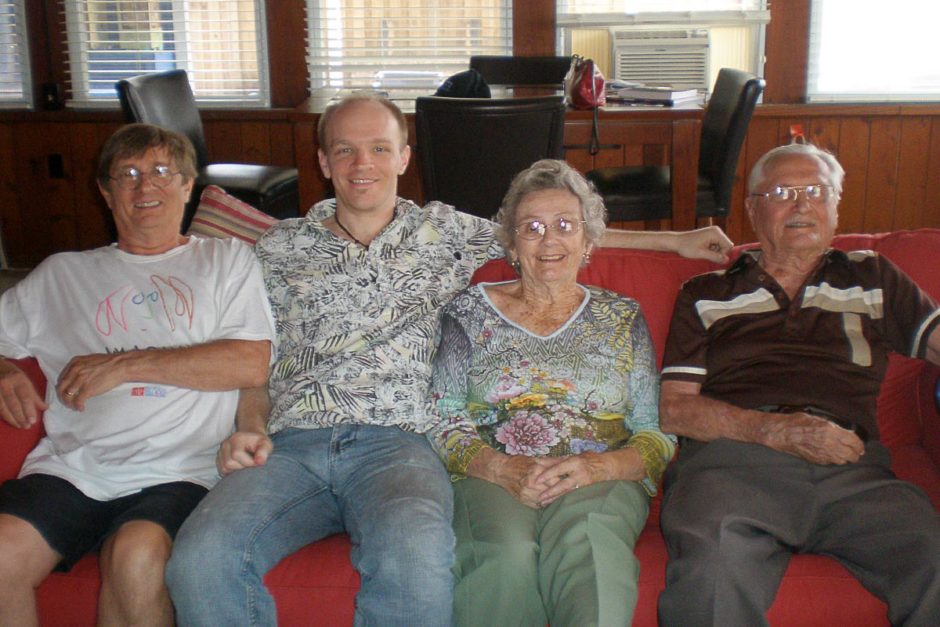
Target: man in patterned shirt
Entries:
(771, 373)
(356, 288)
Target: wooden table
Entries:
(643, 135)
(629, 135)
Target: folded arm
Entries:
(684, 411)
(213, 366)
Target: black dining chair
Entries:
(511, 70)
(470, 148)
(166, 99)
(645, 192)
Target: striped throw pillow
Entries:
(222, 215)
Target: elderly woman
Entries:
(145, 344)
(549, 393)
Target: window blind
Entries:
(220, 43)
(400, 44)
(654, 10)
(873, 56)
(15, 81)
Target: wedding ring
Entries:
(70, 393)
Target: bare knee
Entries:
(25, 556)
(25, 560)
(133, 561)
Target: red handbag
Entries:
(584, 84)
(584, 89)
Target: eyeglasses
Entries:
(790, 193)
(534, 229)
(130, 178)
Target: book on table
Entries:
(654, 95)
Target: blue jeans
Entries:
(386, 488)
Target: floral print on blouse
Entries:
(592, 385)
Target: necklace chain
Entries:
(346, 231)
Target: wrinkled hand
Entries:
(517, 475)
(20, 403)
(243, 449)
(578, 471)
(709, 243)
(86, 376)
(813, 438)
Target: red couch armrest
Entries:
(17, 443)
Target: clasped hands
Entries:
(538, 481)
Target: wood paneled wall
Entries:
(891, 155)
(48, 200)
(49, 203)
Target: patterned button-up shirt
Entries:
(358, 327)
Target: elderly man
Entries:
(356, 287)
(145, 344)
(770, 375)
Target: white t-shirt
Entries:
(106, 300)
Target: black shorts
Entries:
(74, 524)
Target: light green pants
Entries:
(571, 563)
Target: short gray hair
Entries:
(551, 174)
(134, 140)
(835, 172)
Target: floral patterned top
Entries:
(357, 327)
(591, 385)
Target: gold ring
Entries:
(70, 393)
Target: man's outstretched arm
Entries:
(709, 242)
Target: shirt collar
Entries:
(749, 259)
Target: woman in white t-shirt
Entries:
(145, 344)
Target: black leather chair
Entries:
(471, 148)
(507, 70)
(645, 192)
(166, 99)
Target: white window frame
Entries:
(331, 69)
(203, 75)
(16, 49)
(654, 15)
(879, 69)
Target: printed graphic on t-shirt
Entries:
(165, 304)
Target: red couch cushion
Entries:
(317, 585)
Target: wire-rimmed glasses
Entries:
(131, 177)
(781, 194)
(535, 229)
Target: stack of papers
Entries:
(649, 94)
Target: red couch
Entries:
(317, 585)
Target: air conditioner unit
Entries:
(677, 57)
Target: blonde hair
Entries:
(360, 96)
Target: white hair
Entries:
(835, 173)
